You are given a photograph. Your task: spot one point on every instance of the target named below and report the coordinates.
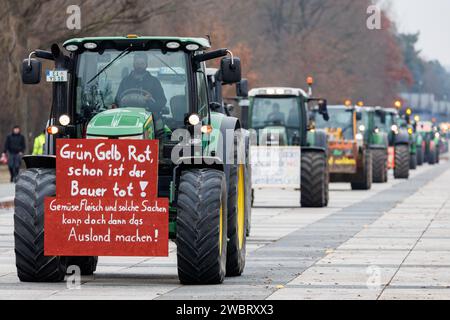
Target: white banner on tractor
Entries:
(276, 167)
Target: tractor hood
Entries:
(123, 122)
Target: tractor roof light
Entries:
(72, 47)
(173, 45)
(360, 104)
(408, 111)
(348, 103)
(417, 118)
(52, 130)
(410, 131)
(310, 81)
(132, 36)
(192, 47)
(398, 104)
(194, 119)
(90, 45)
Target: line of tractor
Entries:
(148, 88)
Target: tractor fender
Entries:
(40, 162)
(314, 149)
(402, 138)
(317, 139)
(377, 147)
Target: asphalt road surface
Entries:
(391, 242)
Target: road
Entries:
(391, 242)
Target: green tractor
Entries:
(387, 120)
(376, 141)
(91, 100)
(432, 139)
(280, 117)
(350, 159)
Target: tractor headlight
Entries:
(64, 120)
(437, 135)
(90, 45)
(394, 128)
(194, 119)
(377, 130)
(72, 47)
(410, 131)
(359, 136)
(362, 128)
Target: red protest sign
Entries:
(107, 168)
(106, 227)
(106, 200)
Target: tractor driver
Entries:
(142, 82)
(276, 116)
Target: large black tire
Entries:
(432, 156)
(420, 156)
(33, 186)
(379, 165)
(366, 182)
(413, 162)
(401, 169)
(202, 227)
(314, 181)
(87, 265)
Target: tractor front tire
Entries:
(314, 179)
(366, 183)
(379, 162)
(202, 227)
(33, 186)
(413, 162)
(401, 169)
(420, 156)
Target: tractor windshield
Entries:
(272, 111)
(340, 123)
(151, 80)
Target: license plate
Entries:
(56, 75)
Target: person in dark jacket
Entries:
(141, 81)
(14, 148)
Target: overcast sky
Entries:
(432, 19)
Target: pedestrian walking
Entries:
(39, 142)
(14, 149)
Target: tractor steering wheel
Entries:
(136, 98)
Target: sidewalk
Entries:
(402, 255)
(6, 189)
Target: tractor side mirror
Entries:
(31, 71)
(165, 111)
(358, 116)
(242, 89)
(215, 106)
(230, 68)
(323, 107)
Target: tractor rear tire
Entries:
(432, 157)
(401, 169)
(314, 179)
(87, 265)
(413, 162)
(202, 227)
(33, 186)
(379, 162)
(420, 156)
(366, 183)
